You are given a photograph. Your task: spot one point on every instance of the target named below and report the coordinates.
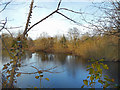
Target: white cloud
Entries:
(54, 26)
(51, 26)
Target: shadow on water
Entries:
(72, 70)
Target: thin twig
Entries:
(35, 68)
(5, 6)
(59, 4)
(48, 70)
(4, 24)
(68, 18)
(9, 32)
(70, 10)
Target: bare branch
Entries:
(35, 68)
(68, 18)
(78, 23)
(37, 72)
(9, 32)
(28, 19)
(5, 6)
(41, 20)
(4, 24)
(47, 70)
(14, 27)
(59, 4)
(26, 30)
(70, 10)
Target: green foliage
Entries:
(96, 74)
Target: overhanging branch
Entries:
(70, 10)
(41, 21)
(68, 18)
(6, 4)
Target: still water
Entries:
(69, 71)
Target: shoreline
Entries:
(68, 53)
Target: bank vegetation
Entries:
(87, 46)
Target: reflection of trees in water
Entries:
(61, 58)
(45, 56)
(72, 63)
(27, 55)
(113, 71)
(42, 56)
(5, 56)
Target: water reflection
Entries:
(73, 66)
(27, 55)
(113, 71)
(42, 56)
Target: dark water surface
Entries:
(70, 71)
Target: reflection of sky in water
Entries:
(70, 75)
(72, 71)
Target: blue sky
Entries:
(17, 11)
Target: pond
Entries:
(66, 71)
